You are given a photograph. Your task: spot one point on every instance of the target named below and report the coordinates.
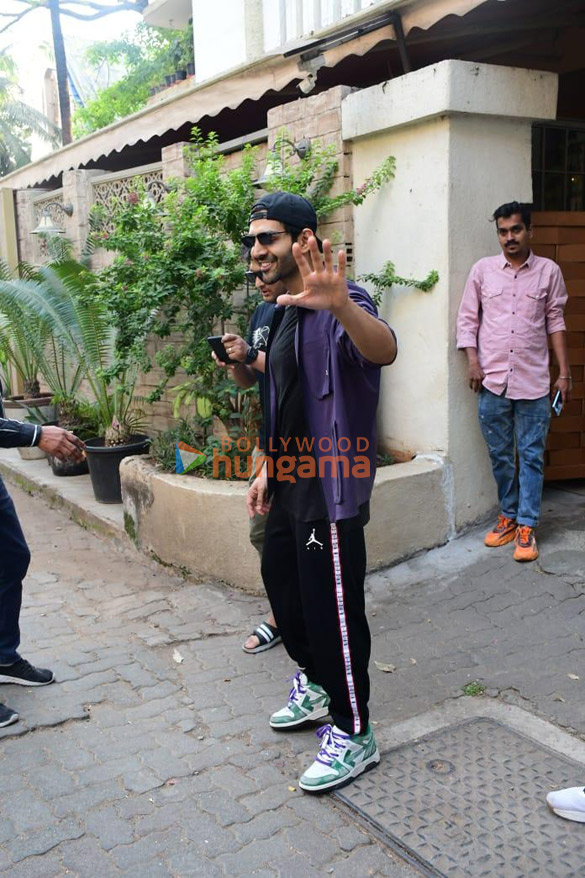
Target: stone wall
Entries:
(319, 117)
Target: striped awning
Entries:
(227, 91)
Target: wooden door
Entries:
(561, 236)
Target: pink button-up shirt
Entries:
(507, 313)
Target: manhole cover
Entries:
(469, 802)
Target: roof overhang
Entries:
(168, 13)
(232, 88)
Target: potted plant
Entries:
(83, 328)
(20, 336)
(123, 436)
(80, 417)
(12, 408)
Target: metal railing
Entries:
(299, 18)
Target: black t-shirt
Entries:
(258, 333)
(303, 498)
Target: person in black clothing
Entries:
(326, 348)
(251, 354)
(15, 555)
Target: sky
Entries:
(24, 42)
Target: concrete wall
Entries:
(219, 31)
(461, 135)
(318, 117)
(201, 524)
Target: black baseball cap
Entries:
(285, 207)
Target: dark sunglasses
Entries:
(252, 275)
(263, 238)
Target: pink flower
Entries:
(133, 198)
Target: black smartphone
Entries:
(218, 348)
(557, 403)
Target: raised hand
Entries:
(324, 287)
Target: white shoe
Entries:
(341, 758)
(306, 702)
(568, 803)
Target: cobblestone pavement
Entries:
(152, 755)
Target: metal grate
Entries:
(469, 802)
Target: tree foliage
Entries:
(178, 264)
(82, 10)
(18, 121)
(146, 53)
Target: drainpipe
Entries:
(396, 20)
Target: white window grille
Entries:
(288, 20)
(110, 190)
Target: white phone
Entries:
(557, 403)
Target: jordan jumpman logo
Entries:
(313, 541)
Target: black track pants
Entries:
(14, 561)
(314, 577)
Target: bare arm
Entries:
(474, 370)
(564, 382)
(243, 375)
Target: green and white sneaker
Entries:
(306, 701)
(341, 758)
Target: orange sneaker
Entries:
(526, 549)
(504, 532)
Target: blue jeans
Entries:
(14, 561)
(513, 427)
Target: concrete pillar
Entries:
(8, 237)
(77, 192)
(461, 135)
(174, 162)
(254, 29)
(211, 59)
(25, 223)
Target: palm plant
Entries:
(18, 121)
(80, 341)
(21, 336)
(16, 349)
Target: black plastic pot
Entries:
(68, 467)
(104, 465)
(180, 75)
(191, 68)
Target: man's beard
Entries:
(286, 268)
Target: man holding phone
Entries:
(512, 304)
(247, 364)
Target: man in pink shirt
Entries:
(511, 305)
